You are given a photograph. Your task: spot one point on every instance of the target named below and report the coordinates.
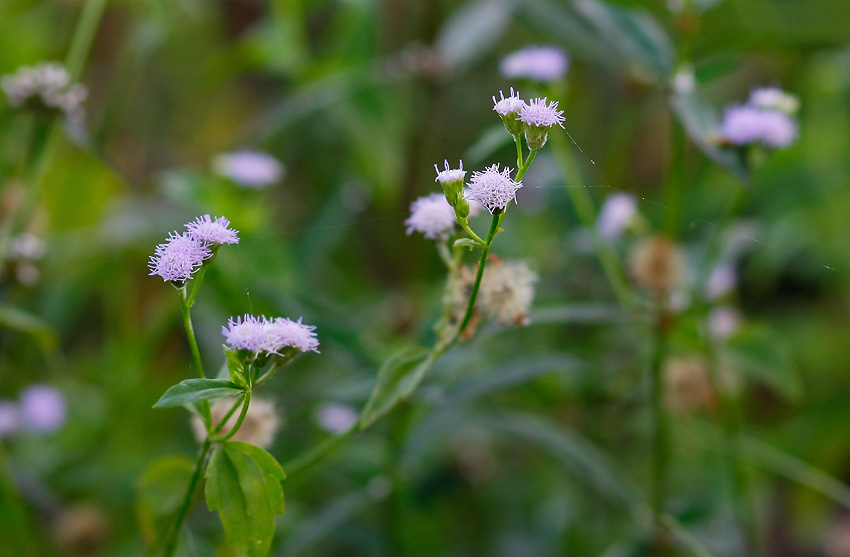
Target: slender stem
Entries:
(473, 235)
(485, 250)
(196, 353)
(83, 38)
(265, 377)
(217, 429)
(518, 142)
(660, 440)
(171, 540)
(196, 284)
(522, 169)
(245, 403)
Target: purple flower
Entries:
(616, 214)
(248, 333)
(510, 105)
(179, 257)
(723, 322)
(212, 231)
(721, 281)
(282, 333)
(745, 125)
(539, 63)
(251, 169)
(493, 189)
(541, 115)
(336, 418)
(10, 420)
(42, 409)
(773, 98)
(431, 215)
(448, 175)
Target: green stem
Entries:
(473, 235)
(265, 377)
(518, 142)
(522, 169)
(587, 216)
(171, 540)
(83, 38)
(196, 353)
(229, 413)
(485, 250)
(245, 404)
(196, 284)
(660, 439)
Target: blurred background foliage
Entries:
(532, 441)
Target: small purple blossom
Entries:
(179, 257)
(723, 322)
(744, 125)
(493, 188)
(10, 420)
(616, 214)
(510, 105)
(212, 231)
(432, 216)
(246, 333)
(720, 282)
(251, 169)
(540, 114)
(282, 333)
(539, 63)
(336, 418)
(449, 175)
(773, 98)
(42, 409)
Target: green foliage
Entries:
(160, 492)
(397, 379)
(243, 485)
(197, 390)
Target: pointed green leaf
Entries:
(397, 379)
(243, 485)
(195, 390)
(467, 243)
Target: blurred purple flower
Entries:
(539, 63)
(721, 281)
(723, 322)
(212, 231)
(178, 258)
(616, 214)
(336, 418)
(42, 409)
(745, 125)
(432, 215)
(493, 188)
(251, 169)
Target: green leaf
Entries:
(397, 379)
(160, 491)
(756, 353)
(701, 123)
(243, 485)
(196, 390)
(467, 243)
(21, 321)
(235, 367)
(472, 30)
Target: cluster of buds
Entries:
(46, 86)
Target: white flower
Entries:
(493, 188)
(616, 214)
(540, 114)
(510, 105)
(336, 418)
(539, 63)
(448, 175)
(773, 98)
(250, 169)
(432, 216)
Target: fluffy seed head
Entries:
(259, 427)
(539, 63)
(493, 188)
(432, 216)
(657, 265)
(507, 289)
(179, 257)
(212, 231)
(686, 384)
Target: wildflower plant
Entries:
(232, 431)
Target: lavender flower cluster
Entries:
(49, 85)
(40, 409)
(182, 255)
(765, 119)
(268, 337)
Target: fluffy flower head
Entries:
(493, 188)
(449, 175)
(539, 63)
(282, 333)
(250, 169)
(42, 409)
(179, 257)
(246, 333)
(540, 114)
(211, 231)
(510, 105)
(744, 125)
(259, 427)
(432, 216)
